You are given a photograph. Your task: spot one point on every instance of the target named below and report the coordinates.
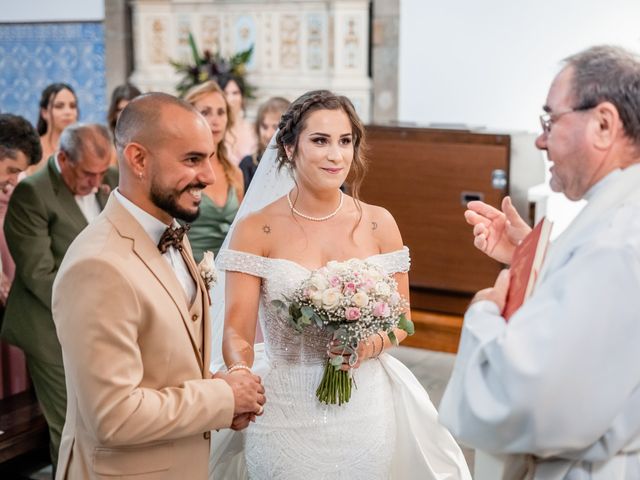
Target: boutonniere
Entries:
(207, 270)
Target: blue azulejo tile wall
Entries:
(35, 55)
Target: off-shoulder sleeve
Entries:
(235, 261)
(398, 261)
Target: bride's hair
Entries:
(293, 122)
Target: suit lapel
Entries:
(65, 197)
(203, 299)
(109, 182)
(148, 253)
(103, 195)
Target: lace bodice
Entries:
(280, 277)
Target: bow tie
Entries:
(172, 237)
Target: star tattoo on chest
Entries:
(266, 229)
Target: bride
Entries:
(295, 220)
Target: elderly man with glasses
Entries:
(557, 387)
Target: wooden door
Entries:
(424, 177)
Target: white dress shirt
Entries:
(89, 205)
(155, 228)
(561, 380)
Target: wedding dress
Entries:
(299, 437)
(388, 429)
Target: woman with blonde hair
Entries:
(221, 200)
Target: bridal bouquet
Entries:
(353, 300)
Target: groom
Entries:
(132, 314)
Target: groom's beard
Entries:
(168, 201)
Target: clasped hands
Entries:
(248, 394)
(364, 351)
(497, 234)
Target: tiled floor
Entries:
(431, 368)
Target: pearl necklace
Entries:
(315, 219)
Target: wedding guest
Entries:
(267, 121)
(46, 212)
(558, 384)
(220, 200)
(241, 138)
(58, 109)
(19, 148)
(131, 313)
(120, 98)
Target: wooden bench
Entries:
(23, 429)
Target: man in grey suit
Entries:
(46, 212)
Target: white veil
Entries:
(268, 185)
(424, 448)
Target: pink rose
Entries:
(365, 285)
(381, 309)
(334, 281)
(352, 313)
(349, 288)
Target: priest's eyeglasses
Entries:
(547, 119)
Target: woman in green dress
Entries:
(220, 201)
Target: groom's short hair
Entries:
(141, 119)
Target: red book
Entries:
(525, 266)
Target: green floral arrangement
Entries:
(209, 66)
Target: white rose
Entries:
(374, 274)
(316, 297)
(360, 299)
(319, 282)
(331, 298)
(382, 288)
(395, 298)
(335, 268)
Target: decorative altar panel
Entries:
(298, 45)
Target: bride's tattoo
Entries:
(266, 229)
(374, 225)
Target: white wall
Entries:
(489, 63)
(27, 11)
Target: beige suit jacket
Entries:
(141, 401)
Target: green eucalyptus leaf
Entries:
(317, 320)
(406, 325)
(279, 304)
(307, 311)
